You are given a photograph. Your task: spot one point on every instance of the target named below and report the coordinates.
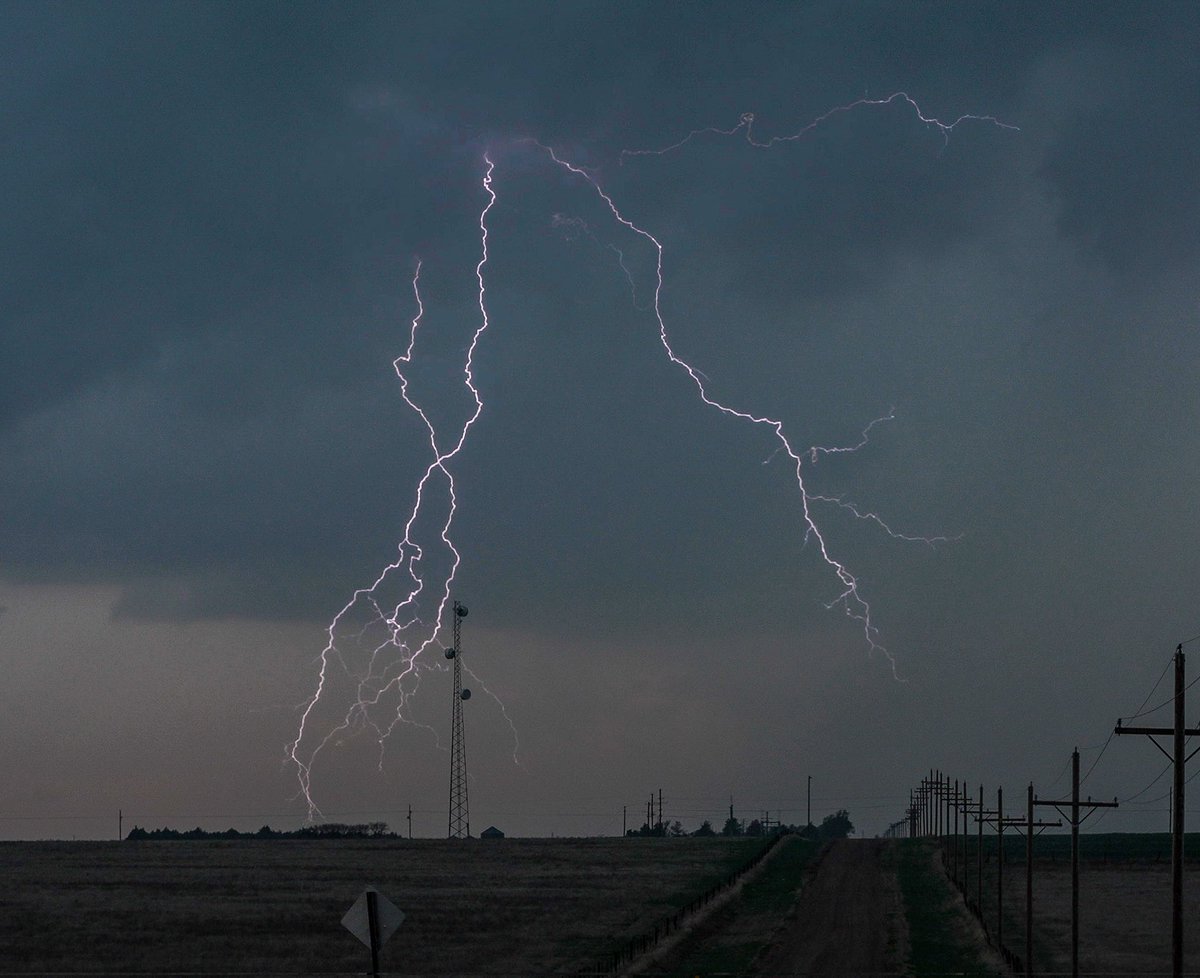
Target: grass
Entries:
(512, 907)
(1095, 847)
(730, 942)
(938, 943)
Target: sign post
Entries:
(373, 919)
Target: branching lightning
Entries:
(746, 126)
(392, 606)
(375, 643)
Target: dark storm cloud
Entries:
(211, 219)
(214, 210)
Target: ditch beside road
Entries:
(863, 907)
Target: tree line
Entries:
(326, 830)
(835, 826)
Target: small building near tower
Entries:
(491, 832)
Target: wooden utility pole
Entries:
(935, 806)
(998, 817)
(968, 809)
(1074, 820)
(1176, 756)
(979, 853)
(1028, 825)
(951, 837)
(1000, 867)
(927, 791)
(1029, 882)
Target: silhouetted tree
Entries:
(837, 825)
(732, 827)
(755, 828)
(705, 829)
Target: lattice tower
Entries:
(460, 818)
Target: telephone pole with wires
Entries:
(1177, 731)
(1074, 820)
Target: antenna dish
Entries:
(466, 694)
(461, 611)
(451, 653)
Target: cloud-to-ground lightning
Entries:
(375, 643)
(393, 620)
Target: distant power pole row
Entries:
(936, 804)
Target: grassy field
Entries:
(728, 943)
(1100, 847)
(940, 942)
(1124, 901)
(512, 907)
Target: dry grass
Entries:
(513, 907)
(1124, 917)
(1124, 896)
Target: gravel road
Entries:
(844, 920)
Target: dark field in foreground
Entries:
(510, 907)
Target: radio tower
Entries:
(460, 818)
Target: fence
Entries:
(647, 941)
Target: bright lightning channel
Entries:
(851, 598)
(400, 620)
(392, 668)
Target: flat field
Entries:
(506, 907)
(1124, 902)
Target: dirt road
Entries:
(846, 920)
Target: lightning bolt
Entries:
(375, 643)
(851, 598)
(392, 606)
(745, 126)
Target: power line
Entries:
(1098, 756)
(1152, 689)
(1163, 703)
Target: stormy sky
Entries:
(213, 214)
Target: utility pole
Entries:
(1028, 825)
(1001, 822)
(624, 820)
(927, 806)
(1178, 731)
(1000, 866)
(937, 805)
(1029, 881)
(410, 821)
(1074, 820)
(952, 837)
(952, 805)
(660, 815)
(964, 806)
(979, 854)
(809, 800)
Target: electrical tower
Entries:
(460, 818)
